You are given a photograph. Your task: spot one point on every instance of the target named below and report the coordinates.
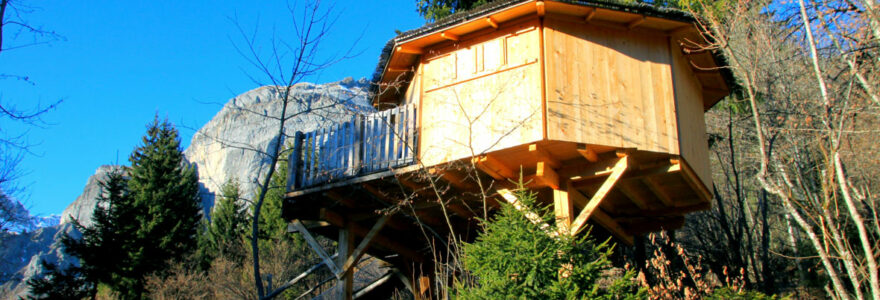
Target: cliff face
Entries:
(230, 146)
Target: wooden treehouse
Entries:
(598, 107)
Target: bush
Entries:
(516, 258)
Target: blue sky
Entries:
(122, 62)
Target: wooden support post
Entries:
(563, 208)
(355, 256)
(294, 163)
(344, 286)
(315, 246)
(539, 5)
(578, 223)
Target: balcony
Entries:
(368, 144)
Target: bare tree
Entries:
(809, 75)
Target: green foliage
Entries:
(228, 225)
(272, 225)
(517, 259)
(144, 221)
(434, 10)
(727, 293)
(70, 283)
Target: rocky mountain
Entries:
(227, 147)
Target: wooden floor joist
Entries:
(313, 243)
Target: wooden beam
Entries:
(410, 50)
(588, 153)
(637, 198)
(612, 226)
(490, 165)
(339, 198)
(544, 175)
(635, 23)
(589, 17)
(492, 22)
(681, 30)
(454, 178)
(309, 224)
(618, 170)
(315, 246)
(355, 255)
(345, 283)
(587, 171)
(539, 5)
(563, 208)
(602, 218)
(544, 156)
(693, 180)
(393, 245)
(535, 218)
(450, 36)
(399, 69)
(658, 191)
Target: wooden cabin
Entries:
(597, 107)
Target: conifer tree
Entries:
(165, 193)
(517, 259)
(145, 218)
(102, 250)
(229, 224)
(272, 225)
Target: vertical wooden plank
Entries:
(294, 162)
(358, 144)
(386, 154)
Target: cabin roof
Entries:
(495, 7)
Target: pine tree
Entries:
(102, 250)
(143, 221)
(229, 225)
(165, 194)
(69, 283)
(517, 259)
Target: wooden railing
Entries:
(368, 144)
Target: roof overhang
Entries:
(402, 54)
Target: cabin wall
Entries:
(481, 94)
(413, 92)
(689, 102)
(609, 86)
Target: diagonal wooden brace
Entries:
(510, 197)
(362, 247)
(315, 246)
(616, 172)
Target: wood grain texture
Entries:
(694, 146)
(481, 96)
(609, 87)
